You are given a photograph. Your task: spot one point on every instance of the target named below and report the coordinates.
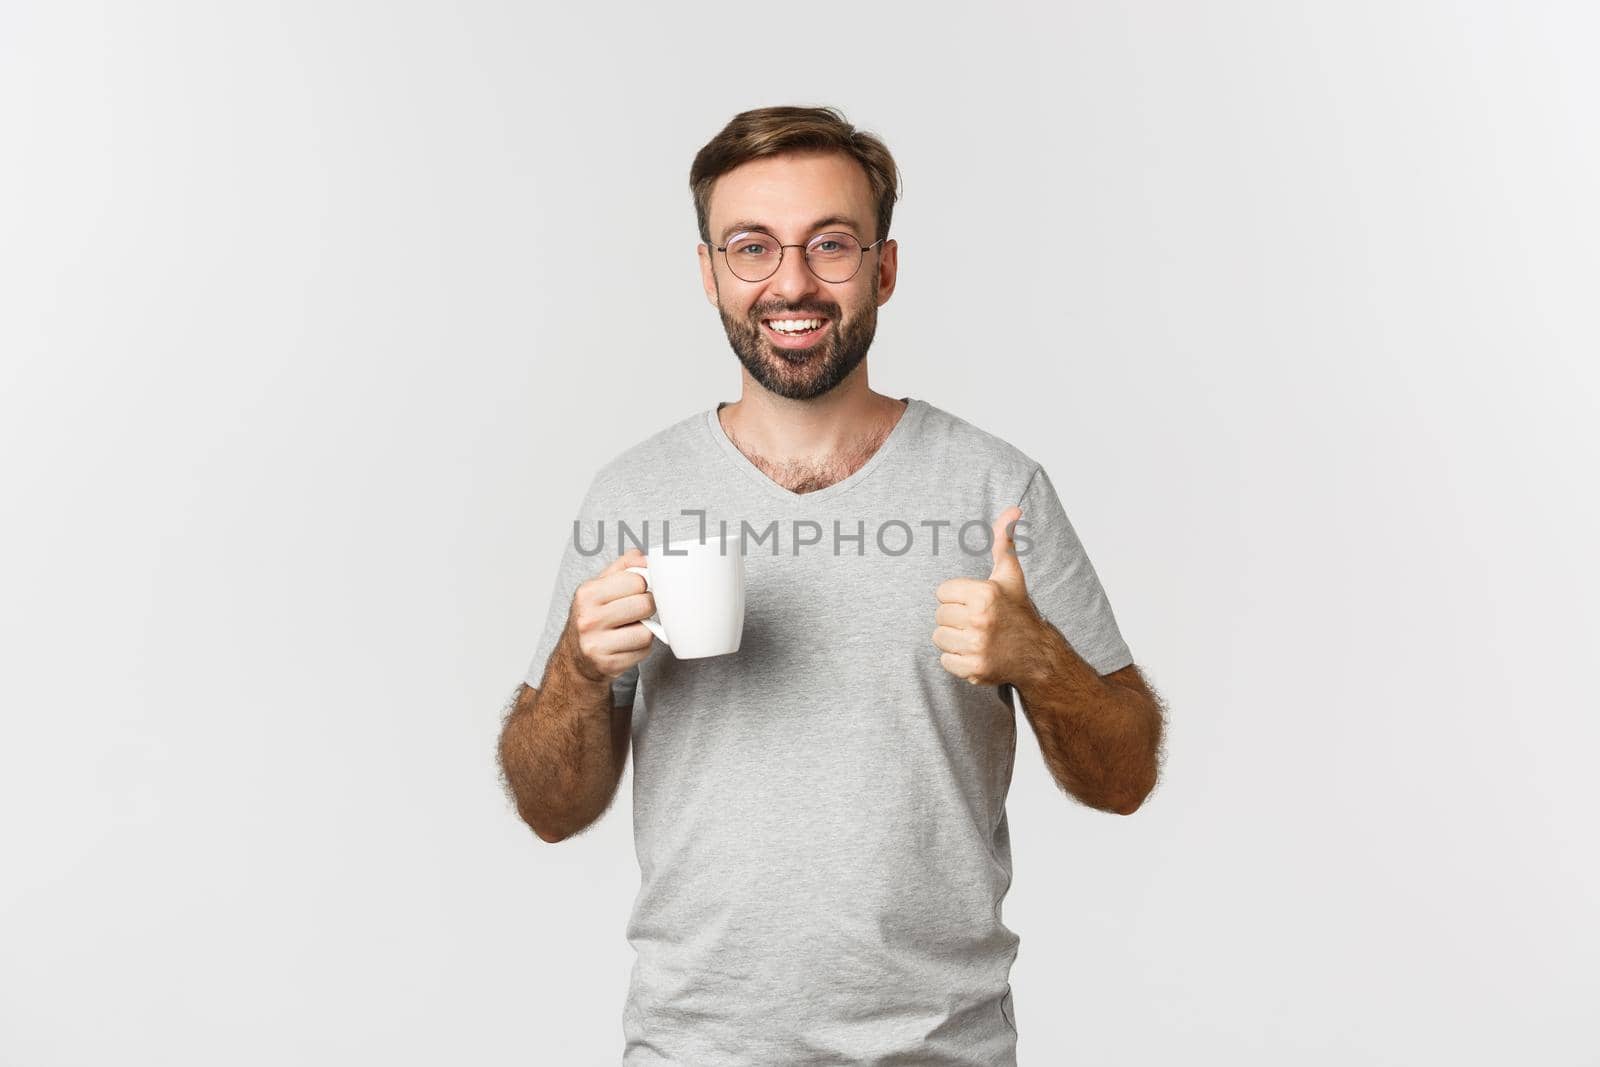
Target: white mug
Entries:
(699, 595)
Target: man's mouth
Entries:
(794, 332)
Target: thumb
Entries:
(1007, 568)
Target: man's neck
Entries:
(806, 445)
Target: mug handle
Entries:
(653, 623)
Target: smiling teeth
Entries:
(794, 325)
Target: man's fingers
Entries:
(629, 607)
(959, 665)
(960, 590)
(947, 639)
(631, 558)
(616, 587)
(615, 583)
(626, 638)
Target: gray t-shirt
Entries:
(819, 817)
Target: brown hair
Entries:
(771, 131)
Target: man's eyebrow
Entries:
(828, 220)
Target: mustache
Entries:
(795, 313)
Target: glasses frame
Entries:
(807, 259)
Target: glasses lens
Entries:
(753, 256)
(834, 256)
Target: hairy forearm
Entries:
(1100, 740)
(556, 748)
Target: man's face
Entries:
(789, 197)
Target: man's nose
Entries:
(793, 279)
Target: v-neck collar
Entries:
(901, 430)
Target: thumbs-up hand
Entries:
(987, 629)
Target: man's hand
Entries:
(1100, 737)
(603, 623)
(988, 630)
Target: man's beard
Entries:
(802, 374)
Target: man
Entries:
(819, 816)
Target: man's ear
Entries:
(888, 270)
(708, 276)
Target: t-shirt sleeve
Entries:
(1062, 582)
(574, 569)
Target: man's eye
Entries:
(751, 249)
(827, 246)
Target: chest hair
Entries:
(807, 476)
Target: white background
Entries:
(317, 318)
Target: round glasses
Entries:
(754, 256)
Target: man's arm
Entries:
(1100, 735)
(562, 750)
